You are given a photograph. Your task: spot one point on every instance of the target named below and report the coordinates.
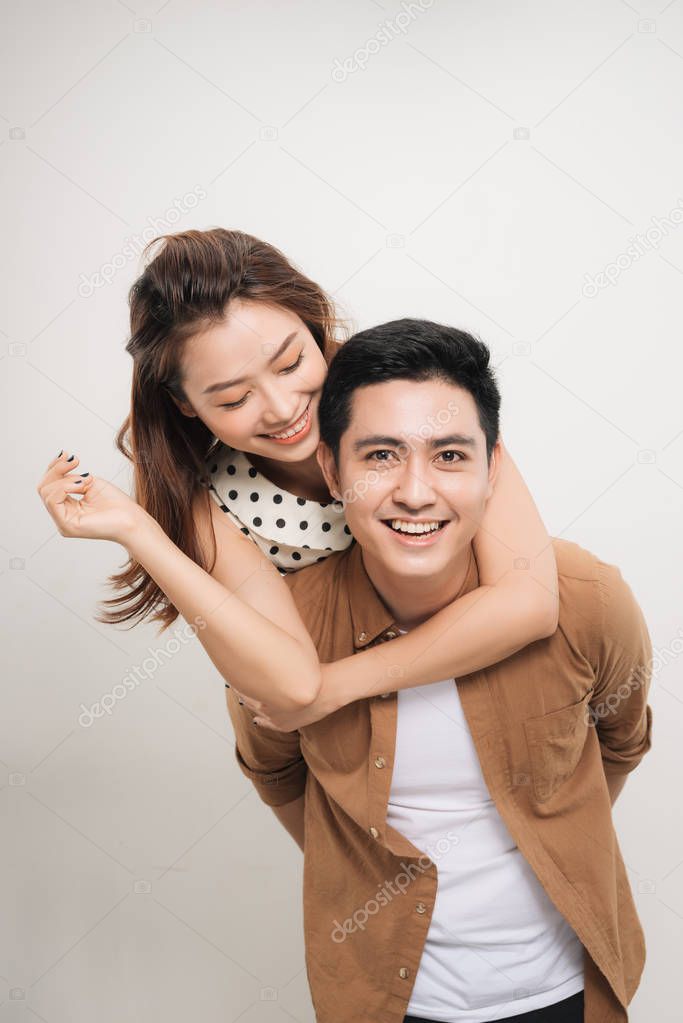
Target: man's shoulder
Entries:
(596, 602)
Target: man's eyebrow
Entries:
(223, 385)
(463, 439)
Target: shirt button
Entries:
(362, 636)
(404, 973)
(374, 832)
(420, 908)
(380, 761)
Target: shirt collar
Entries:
(370, 617)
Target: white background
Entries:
(479, 166)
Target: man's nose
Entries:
(413, 489)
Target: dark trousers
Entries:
(569, 1010)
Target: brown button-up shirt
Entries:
(548, 723)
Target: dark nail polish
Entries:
(227, 685)
(60, 453)
(85, 474)
(241, 702)
(71, 458)
(76, 482)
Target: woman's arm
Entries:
(245, 615)
(515, 604)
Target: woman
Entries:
(230, 347)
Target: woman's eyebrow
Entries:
(223, 385)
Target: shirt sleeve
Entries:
(271, 760)
(623, 669)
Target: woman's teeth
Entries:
(415, 527)
(297, 428)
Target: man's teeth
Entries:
(297, 428)
(414, 527)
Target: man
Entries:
(460, 857)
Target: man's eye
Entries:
(295, 365)
(451, 461)
(380, 451)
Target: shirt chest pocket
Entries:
(555, 742)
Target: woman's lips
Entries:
(303, 424)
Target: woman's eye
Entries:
(295, 365)
(234, 404)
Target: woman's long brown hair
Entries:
(187, 285)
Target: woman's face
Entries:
(255, 381)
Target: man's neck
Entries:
(411, 600)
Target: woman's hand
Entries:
(289, 721)
(103, 512)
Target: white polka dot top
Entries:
(291, 531)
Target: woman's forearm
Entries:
(250, 651)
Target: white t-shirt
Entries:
(496, 945)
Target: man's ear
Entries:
(329, 469)
(497, 453)
(184, 406)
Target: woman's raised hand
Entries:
(103, 512)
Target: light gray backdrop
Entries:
(512, 168)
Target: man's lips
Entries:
(417, 539)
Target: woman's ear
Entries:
(329, 469)
(184, 406)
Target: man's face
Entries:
(413, 474)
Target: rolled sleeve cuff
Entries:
(276, 788)
(618, 762)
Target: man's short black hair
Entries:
(408, 350)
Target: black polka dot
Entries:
(233, 495)
(253, 497)
(321, 559)
(245, 530)
(296, 556)
(274, 550)
(231, 470)
(224, 507)
(277, 498)
(280, 523)
(328, 548)
(307, 547)
(252, 472)
(326, 527)
(347, 530)
(303, 525)
(301, 501)
(214, 468)
(257, 521)
(323, 504)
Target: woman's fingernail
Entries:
(71, 458)
(76, 482)
(227, 685)
(60, 453)
(241, 702)
(85, 474)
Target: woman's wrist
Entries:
(137, 534)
